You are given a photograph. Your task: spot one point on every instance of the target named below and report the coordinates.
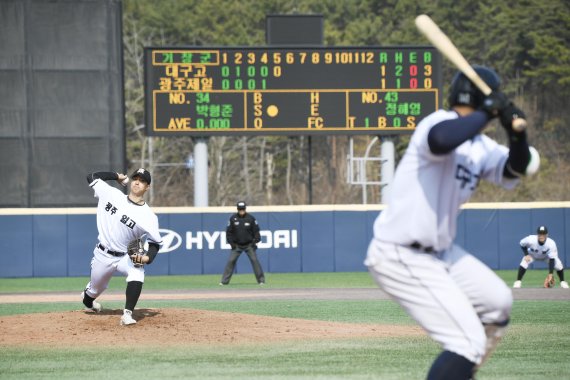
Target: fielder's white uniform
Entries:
(536, 251)
(118, 222)
(412, 257)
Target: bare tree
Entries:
(245, 163)
(269, 182)
(288, 177)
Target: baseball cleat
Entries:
(517, 284)
(96, 306)
(564, 284)
(127, 318)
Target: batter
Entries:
(120, 219)
(456, 298)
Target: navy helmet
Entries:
(464, 92)
(143, 174)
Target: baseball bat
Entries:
(442, 43)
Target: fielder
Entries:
(458, 300)
(122, 220)
(541, 247)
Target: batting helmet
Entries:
(464, 92)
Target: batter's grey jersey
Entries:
(120, 221)
(537, 251)
(429, 216)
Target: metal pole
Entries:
(310, 159)
(362, 178)
(364, 191)
(388, 163)
(150, 167)
(200, 173)
(280, 35)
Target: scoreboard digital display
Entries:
(200, 91)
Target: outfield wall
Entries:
(60, 242)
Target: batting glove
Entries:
(495, 103)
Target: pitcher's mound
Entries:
(171, 327)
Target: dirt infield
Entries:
(172, 327)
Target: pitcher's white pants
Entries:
(104, 265)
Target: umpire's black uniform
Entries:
(242, 234)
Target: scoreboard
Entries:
(201, 91)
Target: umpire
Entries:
(242, 234)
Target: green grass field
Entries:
(536, 346)
(533, 278)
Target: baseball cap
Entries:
(241, 205)
(542, 230)
(143, 174)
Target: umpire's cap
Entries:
(464, 92)
(241, 205)
(542, 230)
(143, 174)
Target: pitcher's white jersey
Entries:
(429, 217)
(119, 220)
(537, 251)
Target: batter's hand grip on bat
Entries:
(519, 124)
(513, 118)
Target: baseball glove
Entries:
(136, 252)
(549, 281)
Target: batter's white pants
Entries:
(104, 266)
(450, 294)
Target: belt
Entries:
(419, 247)
(112, 253)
